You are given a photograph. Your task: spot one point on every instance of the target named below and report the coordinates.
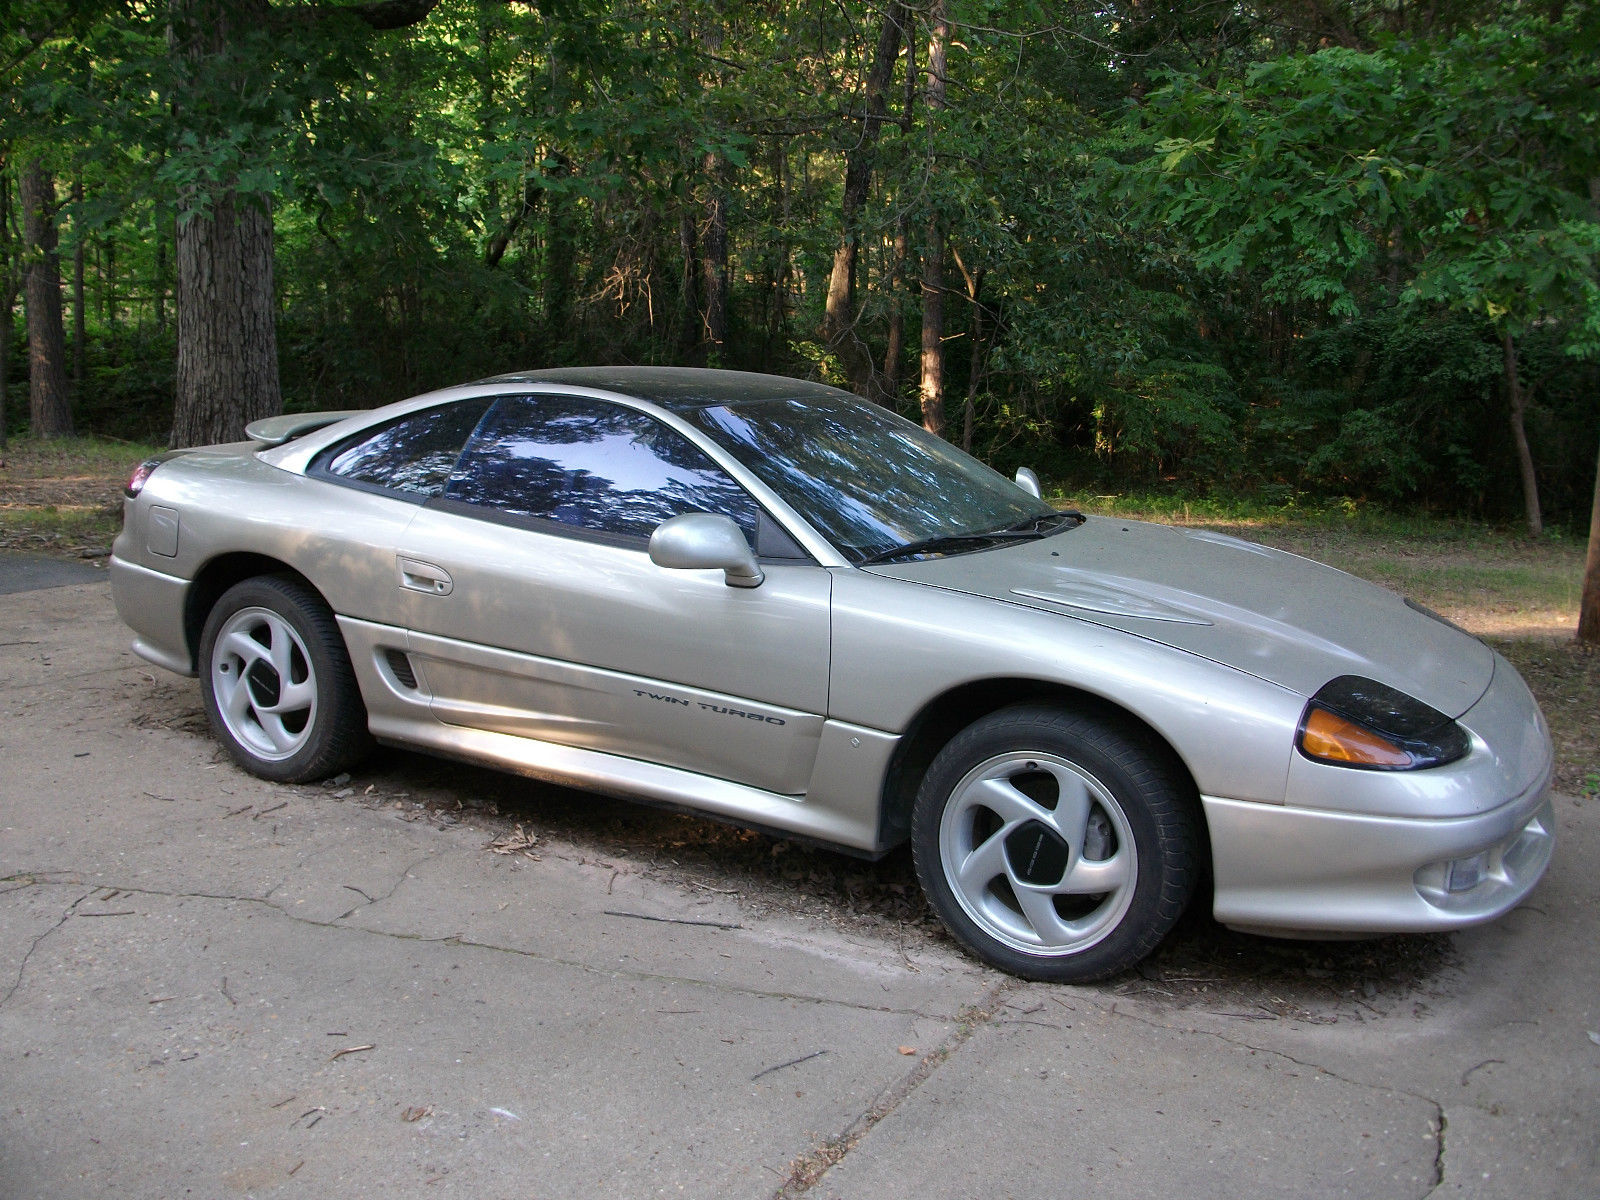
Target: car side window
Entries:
(415, 454)
(603, 468)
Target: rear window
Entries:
(415, 454)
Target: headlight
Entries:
(1355, 722)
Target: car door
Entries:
(533, 608)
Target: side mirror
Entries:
(1029, 482)
(706, 542)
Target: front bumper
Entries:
(1365, 852)
(1303, 872)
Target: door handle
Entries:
(418, 576)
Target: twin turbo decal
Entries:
(708, 707)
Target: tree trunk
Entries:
(109, 284)
(497, 245)
(560, 258)
(1589, 606)
(227, 372)
(933, 242)
(715, 262)
(974, 282)
(49, 414)
(838, 323)
(691, 351)
(9, 285)
(1519, 438)
(227, 364)
(79, 321)
(227, 361)
(889, 385)
(162, 228)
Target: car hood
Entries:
(1273, 614)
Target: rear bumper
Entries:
(1303, 872)
(152, 605)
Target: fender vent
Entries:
(400, 665)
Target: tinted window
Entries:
(591, 465)
(415, 454)
(865, 479)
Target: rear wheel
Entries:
(1055, 845)
(278, 687)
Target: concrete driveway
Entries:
(211, 986)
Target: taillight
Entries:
(141, 473)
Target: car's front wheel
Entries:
(1056, 845)
(277, 682)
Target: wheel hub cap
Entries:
(1039, 853)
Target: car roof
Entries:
(679, 389)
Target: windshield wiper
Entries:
(1026, 529)
(1044, 525)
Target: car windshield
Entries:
(876, 486)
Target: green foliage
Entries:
(1218, 248)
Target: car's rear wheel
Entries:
(277, 682)
(1056, 845)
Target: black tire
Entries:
(278, 688)
(1056, 845)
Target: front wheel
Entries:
(1055, 845)
(277, 683)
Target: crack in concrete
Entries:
(405, 874)
(1438, 1154)
(551, 959)
(1436, 1125)
(808, 1170)
(22, 967)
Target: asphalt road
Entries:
(212, 986)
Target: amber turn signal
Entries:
(1332, 738)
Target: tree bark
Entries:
(933, 242)
(79, 321)
(227, 361)
(497, 246)
(838, 323)
(974, 282)
(1519, 439)
(227, 372)
(1589, 606)
(560, 259)
(691, 349)
(10, 283)
(715, 261)
(49, 414)
(162, 228)
(889, 384)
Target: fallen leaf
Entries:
(908, 1050)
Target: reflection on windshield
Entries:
(865, 479)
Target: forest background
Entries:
(1295, 251)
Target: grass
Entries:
(64, 495)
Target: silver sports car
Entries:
(768, 601)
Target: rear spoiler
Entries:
(275, 431)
